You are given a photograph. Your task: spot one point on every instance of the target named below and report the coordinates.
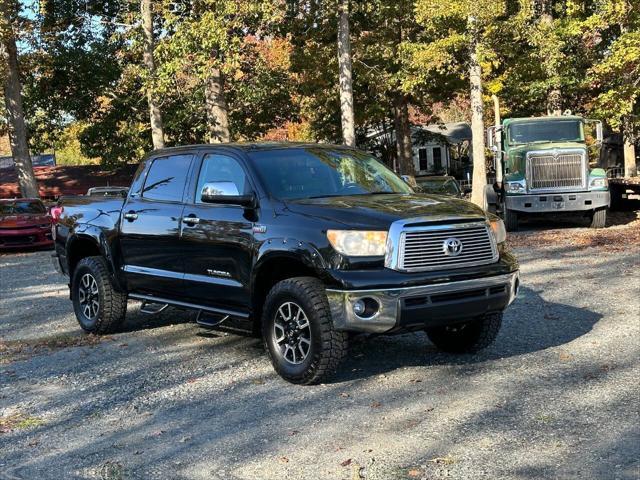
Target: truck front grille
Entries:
(561, 171)
(426, 249)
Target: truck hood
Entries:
(518, 153)
(521, 150)
(380, 210)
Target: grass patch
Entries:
(18, 421)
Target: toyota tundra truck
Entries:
(304, 245)
(544, 166)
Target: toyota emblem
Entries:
(452, 247)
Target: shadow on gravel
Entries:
(531, 324)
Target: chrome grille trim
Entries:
(556, 170)
(420, 248)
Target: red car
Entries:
(24, 222)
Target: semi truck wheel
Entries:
(99, 308)
(599, 218)
(468, 337)
(298, 331)
(510, 220)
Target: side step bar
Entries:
(150, 299)
(204, 322)
(146, 307)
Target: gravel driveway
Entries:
(557, 396)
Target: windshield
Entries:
(446, 186)
(551, 131)
(22, 207)
(309, 172)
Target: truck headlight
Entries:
(358, 243)
(516, 187)
(599, 182)
(499, 232)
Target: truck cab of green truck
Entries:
(542, 166)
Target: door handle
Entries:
(131, 216)
(191, 220)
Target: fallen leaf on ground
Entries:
(346, 463)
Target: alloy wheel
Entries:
(89, 296)
(292, 333)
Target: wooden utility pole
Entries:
(155, 115)
(498, 138)
(13, 100)
(477, 122)
(346, 85)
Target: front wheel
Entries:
(468, 337)
(298, 331)
(98, 306)
(510, 220)
(599, 218)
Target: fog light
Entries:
(366, 307)
(359, 307)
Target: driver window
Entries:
(220, 168)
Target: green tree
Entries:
(10, 73)
(469, 23)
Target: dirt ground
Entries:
(556, 396)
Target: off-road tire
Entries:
(328, 346)
(599, 218)
(112, 304)
(510, 220)
(468, 337)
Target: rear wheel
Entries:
(599, 218)
(99, 308)
(298, 331)
(468, 337)
(510, 220)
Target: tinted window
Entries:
(322, 172)
(551, 131)
(446, 186)
(22, 207)
(220, 168)
(166, 178)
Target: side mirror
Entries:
(599, 134)
(409, 180)
(225, 193)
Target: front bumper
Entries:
(558, 202)
(25, 237)
(424, 306)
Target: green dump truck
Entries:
(542, 166)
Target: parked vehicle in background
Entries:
(622, 187)
(439, 185)
(107, 191)
(302, 244)
(24, 222)
(544, 164)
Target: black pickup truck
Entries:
(303, 244)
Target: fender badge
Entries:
(259, 229)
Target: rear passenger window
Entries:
(167, 178)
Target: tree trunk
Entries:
(13, 101)
(554, 94)
(155, 115)
(346, 87)
(554, 102)
(477, 122)
(403, 135)
(630, 169)
(216, 105)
